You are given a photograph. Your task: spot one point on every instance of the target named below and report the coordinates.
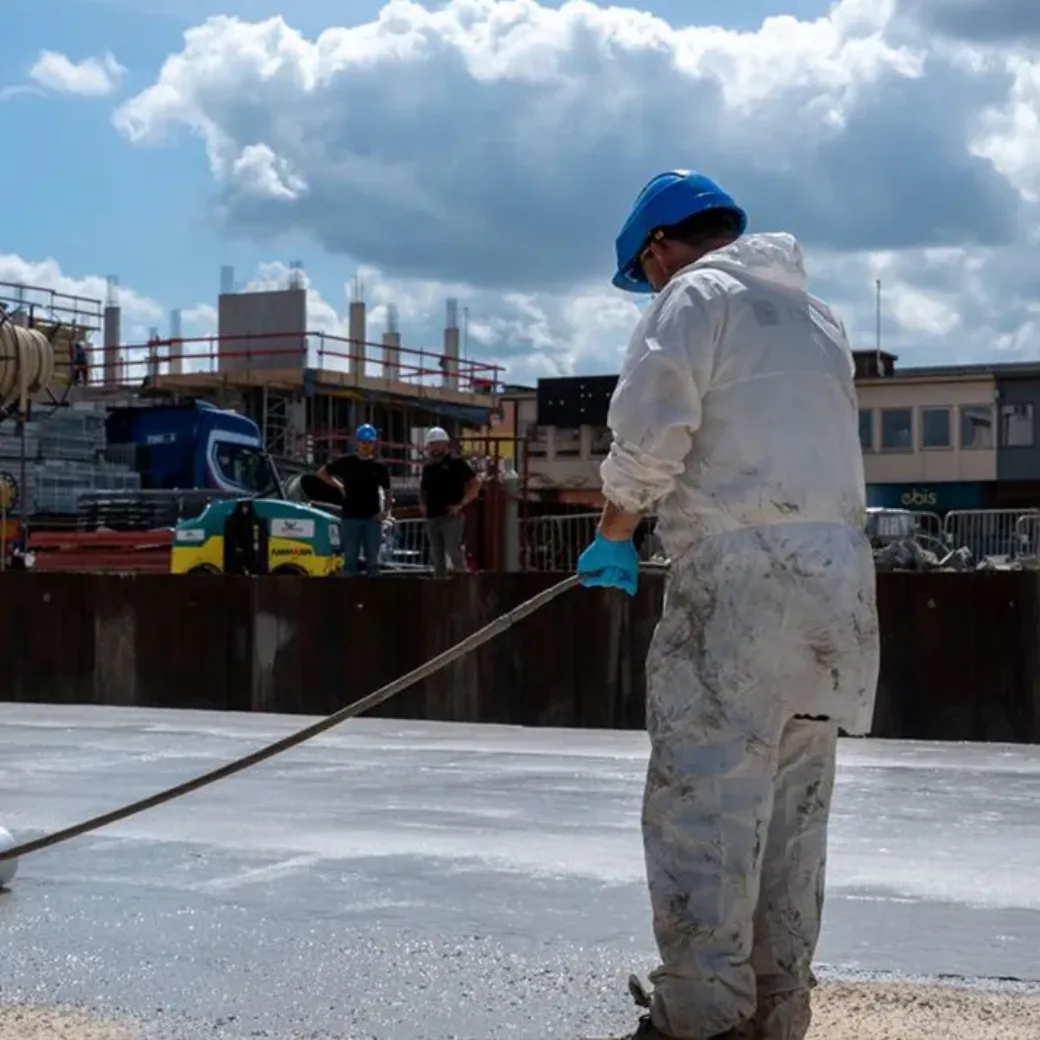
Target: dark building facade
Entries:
(1018, 437)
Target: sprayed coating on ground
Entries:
(842, 1011)
(410, 881)
(899, 1012)
(21, 1023)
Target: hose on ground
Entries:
(372, 700)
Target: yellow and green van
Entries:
(258, 536)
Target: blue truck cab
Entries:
(194, 445)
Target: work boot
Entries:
(646, 1030)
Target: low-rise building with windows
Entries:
(949, 437)
(928, 434)
(934, 439)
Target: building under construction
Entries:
(305, 389)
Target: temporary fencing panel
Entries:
(986, 532)
(554, 543)
(404, 546)
(1027, 534)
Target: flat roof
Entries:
(997, 371)
(275, 902)
(994, 369)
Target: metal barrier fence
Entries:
(1027, 534)
(554, 543)
(404, 546)
(929, 524)
(992, 532)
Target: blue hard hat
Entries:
(669, 198)
(366, 433)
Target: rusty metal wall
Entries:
(959, 651)
(959, 656)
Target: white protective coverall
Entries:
(736, 415)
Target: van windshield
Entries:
(246, 466)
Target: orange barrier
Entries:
(100, 551)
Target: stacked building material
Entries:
(66, 456)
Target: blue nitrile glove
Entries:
(612, 565)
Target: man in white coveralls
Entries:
(735, 418)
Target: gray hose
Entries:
(435, 664)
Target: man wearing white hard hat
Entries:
(448, 485)
(735, 421)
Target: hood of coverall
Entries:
(771, 257)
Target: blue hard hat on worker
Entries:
(366, 434)
(668, 199)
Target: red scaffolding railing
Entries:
(81, 313)
(290, 351)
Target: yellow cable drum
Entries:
(26, 358)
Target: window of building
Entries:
(866, 429)
(897, 429)
(536, 439)
(976, 426)
(602, 438)
(568, 442)
(1017, 429)
(935, 428)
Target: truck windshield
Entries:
(246, 466)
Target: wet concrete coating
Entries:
(415, 881)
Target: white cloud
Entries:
(53, 294)
(1010, 134)
(983, 21)
(18, 90)
(531, 335)
(489, 151)
(202, 317)
(500, 143)
(139, 311)
(92, 77)
(939, 305)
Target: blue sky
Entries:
(491, 158)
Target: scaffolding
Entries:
(60, 324)
(65, 319)
(46, 307)
(274, 422)
(305, 391)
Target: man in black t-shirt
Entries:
(448, 485)
(360, 477)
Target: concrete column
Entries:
(451, 357)
(153, 353)
(176, 349)
(392, 355)
(358, 335)
(584, 442)
(112, 336)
